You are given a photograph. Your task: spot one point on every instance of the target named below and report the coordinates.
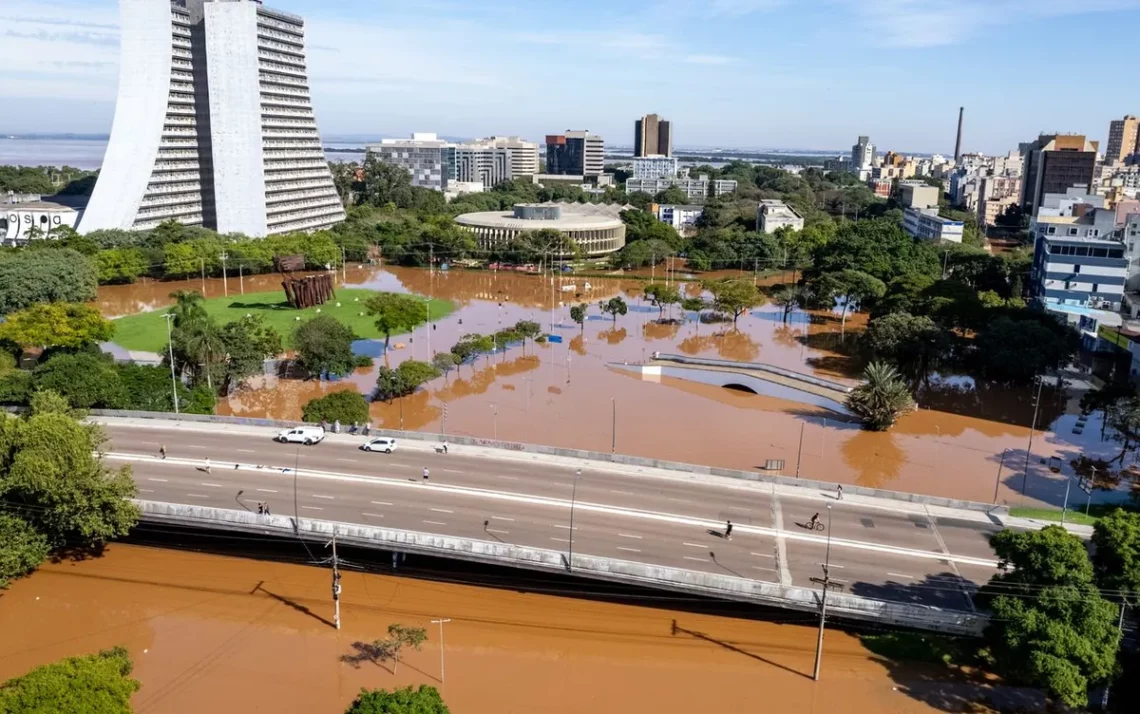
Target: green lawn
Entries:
(147, 331)
(1076, 513)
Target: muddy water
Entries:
(567, 394)
(222, 634)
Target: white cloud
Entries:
(934, 23)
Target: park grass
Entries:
(1074, 515)
(147, 331)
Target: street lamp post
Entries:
(1032, 428)
(613, 439)
(441, 622)
(826, 582)
(170, 346)
(997, 481)
(573, 501)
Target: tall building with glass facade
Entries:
(575, 153)
(213, 123)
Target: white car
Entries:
(382, 443)
(307, 435)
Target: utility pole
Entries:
(800, 452)
(573, 501)
(826, 581)
(241, 280)
(335, 581)
(613, 440)
(225, 282)
(1032, 428)
(170, 346)
(1119, 632)
(441, 622)
(343, 265)
(202, 263)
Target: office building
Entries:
(27, 217)
(774, 215)
(575, 153)
(863, 158)
(213, 123)
(1123, 139)
(655, 167)
(1079, 260)
(926, 224)
(682, 217)
(990, 209)
(652, 136)
(595, 228)
(1054, 164)
(429, 159)
(482, 163)
(919, 195)
(524, 154)
(697, 188)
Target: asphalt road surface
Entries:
(879, 551)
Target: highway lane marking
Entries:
(436, 523)
(568, 528)
(381, 503)
(146, 490)
(442, 510)
(902, 575)
(328, 498)
(695, 545)
(193, 446)
(777, 514)
(502, 518)
(246, 451)
(266, 490)
(762, 555)
(371, 515)
(699, 560)
(631, 550)
(493, 530)
(211, 485)
(509, 478)
(624, 493)
(197, 495)
(628, 535)
(399, 466)
(160, 480)
(350, 461)
(312, 508)
(450, 471)
(953, 565)
(757, 567)
(561, 540)
(672, 518)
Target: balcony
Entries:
(274, 186)
(281, 41)
(163, 166)
(312, 197)
(166, 212)
(157, 201)
(287, 28)
(269, 76)
(162, 179)
(280, 111)
(285, 60)
(173, 188)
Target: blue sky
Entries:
(753, 73)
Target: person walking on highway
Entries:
(839, 492)
(162, 450)
(267, 509)
(728, 530)
(208, 465)
(813, 521)
(261, 509)
(445, 447)
(426, 473)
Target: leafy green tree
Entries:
(404, 379)
(671, 195)
(247, 342)
(881, 398)
(401, 636)
(1016, 351)
(734, 297)
(1050, 627)
(662, 296)
(471, 346)
(88, 381)
(56, 324)
(850, 288)
(694, 304)
(148, 388)
(578, 314)
(529, 330)
(1123, 417)
(28, 277)
(444, 362)
(22, 549)
(52, 477)
(324, 346)
(424, 700)
(879, 248)
(915, 344)
(642, 253)
(95, 684)
(199, 349)
(348, 406)
(179, 260)
(1116, 559)
(15, 387)
(386, 184)
(120, 265)
(614, 306)
(395, 312)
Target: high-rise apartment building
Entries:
(575, 153)
(487, 164)
(1054, 164)
(213, 123)
(524, 154)
(652, 136)
(1123, 139)
(863, 158)
(429, 159)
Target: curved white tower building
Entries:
(213, 125)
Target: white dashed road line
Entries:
(381, 503)
(495, 530)
(442, 510)
(197, 495)
(631, 550)
(312, 508)
(436, 523)
(160, 480)
(328, 498)
(699, 560)
(371, 515)
(266, 490)
(628, 535)
(502, 518)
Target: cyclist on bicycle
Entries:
(812, 523)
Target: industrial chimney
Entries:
(958, 143)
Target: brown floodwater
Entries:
(224, 634)
(566, 394)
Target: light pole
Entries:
(1032, 428)
(573, 501)
(427, 325)
(997, 481)
(170, 346)
(613, 439)
(441, 622)
(826, 582)
(495, 420)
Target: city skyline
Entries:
(885, 68)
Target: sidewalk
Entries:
(998, 516)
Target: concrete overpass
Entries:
(905, 560)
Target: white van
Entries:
(383, 443)
(307, 435)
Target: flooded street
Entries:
(569, 394)
(224, 634)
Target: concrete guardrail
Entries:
(754, 367)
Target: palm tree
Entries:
(881, 398)
(189, 306)
(203, 346)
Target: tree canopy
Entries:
(422, 700)
(395, 312)
(1116, 562)
(347, 405)
(28, 277)
(324, 346)
(56, 325)
(881, 398)
(95, 684)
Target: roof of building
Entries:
(62, 204)
(575, 216)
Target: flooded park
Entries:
(966, 441)
(225, 634)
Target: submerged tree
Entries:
(881, 398)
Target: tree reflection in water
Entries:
(875, 458)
